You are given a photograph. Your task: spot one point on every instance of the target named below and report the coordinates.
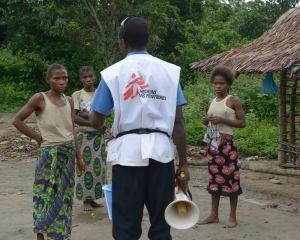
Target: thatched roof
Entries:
(264, 54)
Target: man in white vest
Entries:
(147, 99)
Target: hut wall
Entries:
(289, 123)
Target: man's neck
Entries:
(130, 50)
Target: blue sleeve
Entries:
(180, 98)
(103, 102)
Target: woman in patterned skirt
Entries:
(225, 113)
(88, 186)
(53, 188)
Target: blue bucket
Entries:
(108, 197)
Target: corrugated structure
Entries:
(267, 54)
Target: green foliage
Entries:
(11, 97)
(188, 52)
(189, 9)
(164, 23)
(215, 34)
(253, 18)
(247, 88)
(258, 138)
(24, 71)
(197, 96)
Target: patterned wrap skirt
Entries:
(223, 172)
(53, 191)
(89, 185)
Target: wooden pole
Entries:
(292, 156)
(282, 113)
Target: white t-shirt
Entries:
(82, 102)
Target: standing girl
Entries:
(225, 112)
(91, 143)
(55, 169)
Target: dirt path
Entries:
(265, 211)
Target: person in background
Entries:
(53, 187)
(88, 186)
(225, 113)
(147, 99)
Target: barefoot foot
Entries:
(209, 219)
(40, 236)
(87, 206)
(96, 205)
(231, 223)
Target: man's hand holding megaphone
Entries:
(182, 213)
(183, 176)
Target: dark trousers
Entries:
(134, 187)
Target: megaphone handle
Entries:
(188, 191)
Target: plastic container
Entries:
(108, 197)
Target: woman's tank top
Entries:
(220, 109)
(55, 123)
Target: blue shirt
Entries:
(103, 102)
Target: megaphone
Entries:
(181, 213)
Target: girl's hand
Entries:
(39, 141)
(215, 119)
(81, 166)
(83, 114)
(205, 120)
(103, 129)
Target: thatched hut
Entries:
(267, 54)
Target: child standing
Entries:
(55, 169)
(225, 112)
(91, 143)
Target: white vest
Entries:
(144, 91)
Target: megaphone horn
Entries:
(181, 213)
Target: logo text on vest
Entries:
(133, 87)
(138, 86)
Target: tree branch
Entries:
(102, 35)
(130, 8)
(93, 13)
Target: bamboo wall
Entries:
(289, 123)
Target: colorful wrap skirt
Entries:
(89, 185)
(223, 172)
(53, 191)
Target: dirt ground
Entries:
(265, 210)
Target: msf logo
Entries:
(134, 86)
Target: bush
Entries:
(197, 96)
(12, 98)
(258, 138)
(26, 70)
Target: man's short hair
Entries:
(135, 32)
